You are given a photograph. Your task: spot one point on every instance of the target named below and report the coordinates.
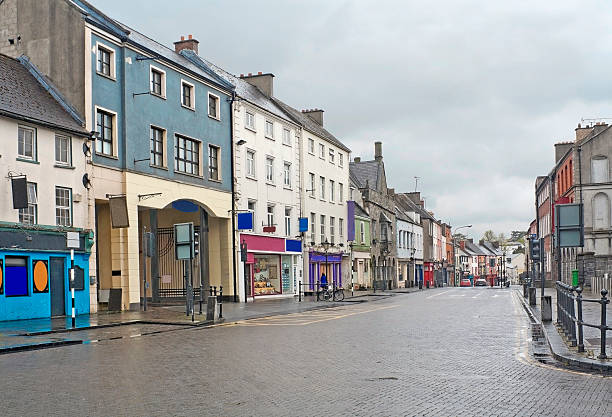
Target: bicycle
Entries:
(337, 294)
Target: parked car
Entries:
(480, 282)
(465, 282)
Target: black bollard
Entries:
(220, 301)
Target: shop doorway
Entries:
(171, 284)
(58, 306)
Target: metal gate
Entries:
(171, 272)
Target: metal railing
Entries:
(570, 318)
(318, 292)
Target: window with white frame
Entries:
(321, 151)
(269, 129)
(322, 228)
(158, 82)
(286, 136)
(313, 219)
(332, 230)
(249, 120)
(157, 146)
(186, 155)
(351, 192)
(362, 231)
(213, 162)
(26, 143)
(63, 206)
(271, 215)
(340, 193)
(105, 61)
(63, 150)
(287, 174)
(312, 184)
(340, 159)
(105, 128)
(269, 169)
(332, 191)
(341, 227)
(287, 221)
(187, 94)
(250, 163)
(29, 215)
(311, 146)
(322, 185)
(332, 156)
(214, 109)
(251, 206)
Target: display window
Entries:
(266, 275)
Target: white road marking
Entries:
(440, 293)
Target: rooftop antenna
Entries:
(416, 183)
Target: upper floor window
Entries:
(105, 126)
(213, 162)
(311, 146)
(29, 215)
(340, 159)
(287, 221)
(157, 146)
(331, 156)
(332, 191)
(158, 82)
(271, 215)
(332, 230)
(269, 169)
(313, 218)
(250, 163)
(362, 231)
(213, 106)
(340, 193)
(287, 174)
(63, 150)
(186, 155)
(321, 151)
(187, 94)
(322, 228)
(599, 169)
(312, 184)
(26, 143)
(105, 61)
(322, 181)
(251, 205)
(286, 137)
(249, 120)
(269, 129)
(63, 206)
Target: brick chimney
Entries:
(357, 159)
(462, 244)
(265, 82)
(189, 43)
(315, 114)
(378, 151)
(582, 132)
(561, 149)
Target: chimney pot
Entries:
(315, 114)
(191, 44)
(259, 73)
(190, 37)
(357, 159)
(182, 38)
(241, 75)
(265, 82)
(250, 73)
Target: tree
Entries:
(489, 236)
(516, 235)
(459, 236)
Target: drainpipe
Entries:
(232, 164)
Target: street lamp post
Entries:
(455, 249)
(412, 251)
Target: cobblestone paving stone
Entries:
(450, 352)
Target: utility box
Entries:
(211, 308)
(546, 308)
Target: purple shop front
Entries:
(319, 263)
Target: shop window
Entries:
(16, 276)
(266, 278)
(79, 279)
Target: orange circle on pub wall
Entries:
(40, 276)
(0, 277)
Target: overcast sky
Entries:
(470, 96)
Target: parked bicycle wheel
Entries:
(339, 296)
(326, 295)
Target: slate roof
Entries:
(24, 97)
(474, 249)
(415, 207)
(310, 125)
(367, 172)
(491, 248)
(128, 34)
(360, 211)
(243, 88)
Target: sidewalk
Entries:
(557, 342)
(51, 332)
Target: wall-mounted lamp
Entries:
(86, 181)
(86, 149)
(240, 142)
(93, 135)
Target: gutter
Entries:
(232, 165)
(81, 133)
